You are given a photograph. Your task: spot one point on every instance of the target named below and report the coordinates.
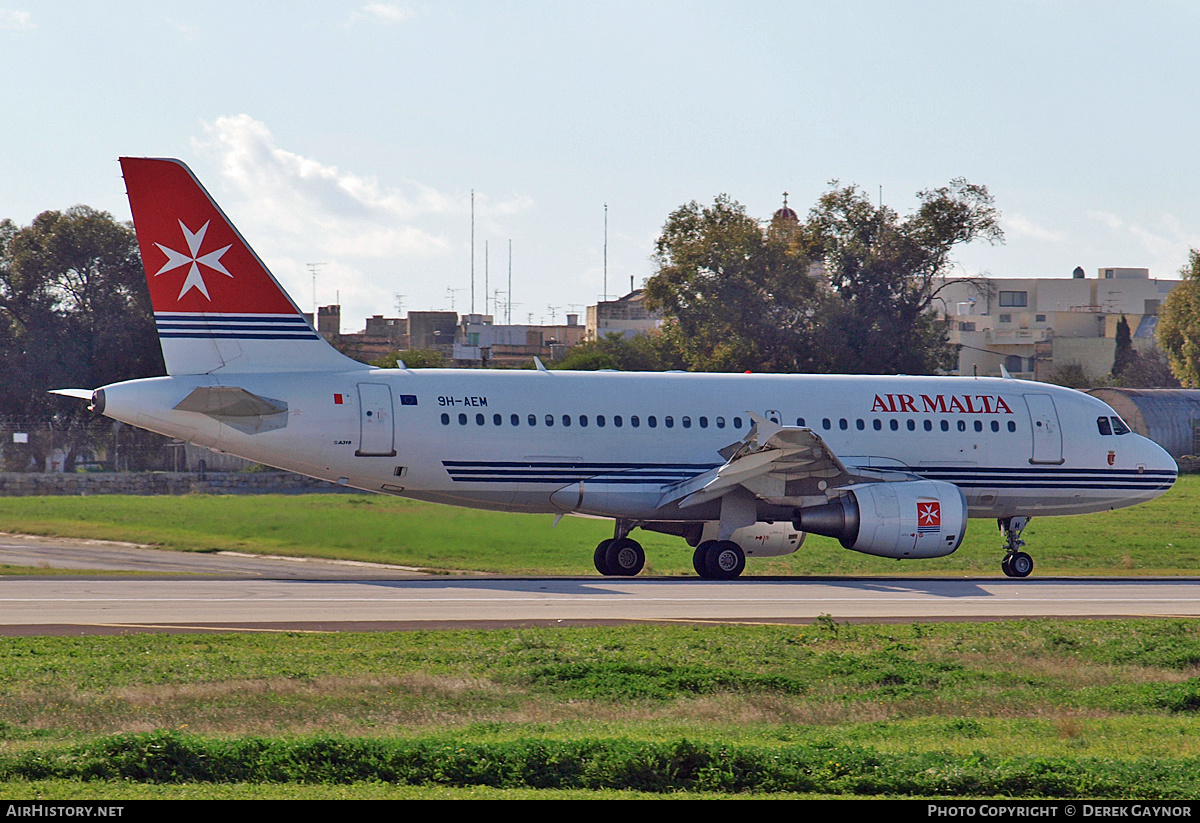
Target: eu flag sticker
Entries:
(408, 400)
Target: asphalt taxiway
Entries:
(173, 591)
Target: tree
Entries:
(1179, 324)
(1124, 356)
(734, 296)
(884, 271)
(412, 358)
(74, 312)
(850, 289)
(643, 352)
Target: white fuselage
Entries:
(606, 443)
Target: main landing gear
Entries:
(621, 556)
(1016, 563)
(719, 560)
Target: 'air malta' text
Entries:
(941, 404)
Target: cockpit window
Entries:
(1119, 426)
(1104, 426)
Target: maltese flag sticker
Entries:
(929, 517)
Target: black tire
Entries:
(700, 558)
(600, 558)
(725, 561)
(1020, 564)
(624, 558)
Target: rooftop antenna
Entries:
(508, 319)
(485, 276)
(450, 293)
(312, 268)
(400, 304)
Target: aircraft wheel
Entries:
(624, 557)
(600, 558)
(700, 558)
(725, 560)
(1020, 565)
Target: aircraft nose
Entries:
(1155, 460)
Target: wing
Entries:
(788, 465)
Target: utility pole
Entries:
(472, 251)
(606, 251)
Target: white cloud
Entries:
(1165, 243)
(388, 14)
(371, 239)
(1018, 226)
(11, 20)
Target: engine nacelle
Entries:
(761, 539)
(909, 518)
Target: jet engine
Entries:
(905, 519)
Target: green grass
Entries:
(1030, 708)
(1160, 537)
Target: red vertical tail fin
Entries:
(216, 304)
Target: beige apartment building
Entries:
(1031, 326)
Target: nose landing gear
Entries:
(1016, 563)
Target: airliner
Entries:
(738, 465)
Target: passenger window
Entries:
(687, 422)
(533, 419)
(549, 420)
(634, 421)
(462, 419)
(843, 424)
(669, 421)
(704, 422)
(617, 420)
(860, 424)
(962, 425)
(583, 420)
(1119, 426)
(878, 424)
(497, 420)
(566, 418)
(978, 425)
(945, 425)
(995, 425)
(720, 422)
(445, 419)
(825, 424)
(600, 420)
(912, 425)
(800, 421)
(479, 419)
(515, 420)
(652, 421)
(894, 425)
(928, 425)
(737, 422)
(1012, 426)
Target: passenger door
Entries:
(1047, 435)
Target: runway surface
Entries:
(237, 593)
